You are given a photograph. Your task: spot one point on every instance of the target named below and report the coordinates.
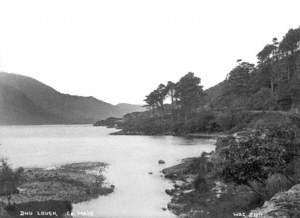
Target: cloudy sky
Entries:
(119, 50)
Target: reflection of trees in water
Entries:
(38, 209)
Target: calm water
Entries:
(130, 158)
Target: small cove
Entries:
(130, 159)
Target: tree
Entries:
(295, 93)
(151, 101)
(290, 41)
(155, 100)
(161, 93)
(189, 93)
(264, 55)
(239, 78)
(289, 46)
(9, 180)
(170, 89)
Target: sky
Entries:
(119, 51)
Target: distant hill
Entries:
(24, 100)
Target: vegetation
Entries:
(260, 103)
(257, 156)
(185, 96)
(9, 180)
(178, 108)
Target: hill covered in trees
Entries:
(248, 92)
(24, 100)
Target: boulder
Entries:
(170, 191)
(176, 207)
(284, 204)
(161, 162)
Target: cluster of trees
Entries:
(185, 95)
(276, 75)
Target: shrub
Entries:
(255, 155)
(226, 120)
(9, 180)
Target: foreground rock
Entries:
(180, 171)
(161, 162)
(284, 204)
(72, 183)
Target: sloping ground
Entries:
(282, 205)
(17, 108)
(24, 100)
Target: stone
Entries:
(283, 204)
(161, 162)
(170, 191)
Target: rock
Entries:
(188, 191)
(179, 171)
(170, 191)
(150, 173)
(164, 209)
(73, 182)
(176, 207)
(161, 162)
(179, 183)
(284, 204)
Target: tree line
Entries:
(276, 76)
(271, 84)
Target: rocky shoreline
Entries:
(197, 193)
(71, 183)
(204, 196)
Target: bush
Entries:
(200, 122)
(9, 180)
(226, 120)
(255, 155)
(233, 120)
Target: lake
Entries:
(130, 158)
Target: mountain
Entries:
(24, 100)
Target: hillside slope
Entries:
(24, 100)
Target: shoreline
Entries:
(188, 135)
